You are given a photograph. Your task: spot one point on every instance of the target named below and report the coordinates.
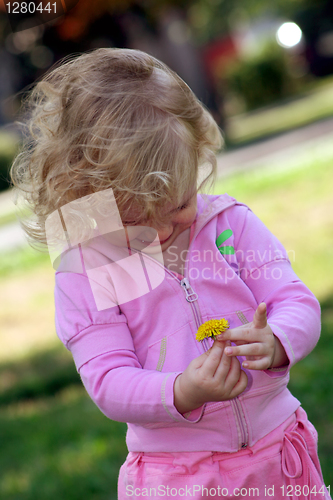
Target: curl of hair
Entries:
(112, 118)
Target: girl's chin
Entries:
(155, 246)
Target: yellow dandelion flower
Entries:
(211, 328)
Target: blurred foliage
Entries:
(262, 79)
(8, 148)
(5, 162)
(211, 18)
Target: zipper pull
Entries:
(191, 296)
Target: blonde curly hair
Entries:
(112, 118)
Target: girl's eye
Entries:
(131, 223)
(182, 207)
(134, 222)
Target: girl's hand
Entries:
(256, 342)
(213, 376)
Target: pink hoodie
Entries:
(129, 356)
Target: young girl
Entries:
(118, 144)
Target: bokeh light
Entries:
(289, 35)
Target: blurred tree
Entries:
(260, 80)
(212, 18)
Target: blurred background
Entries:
(265, 71)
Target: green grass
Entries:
(55, 443)
(7, 218)
(9, 211)
(305, 108)
(45, 373)
(15, 262)
(296, 204)
(59, 447)
(20, 260)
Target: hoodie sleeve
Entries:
(104, 355)
(293, 311)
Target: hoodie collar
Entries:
(209, 206)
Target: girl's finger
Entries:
(223, 368)
(240, 386)
(255, 349)
(233, 374)
(239, 334)
(260, 316)
(212, 359)
(260, 364)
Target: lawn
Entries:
(59, 445)
(54, 442)
(296, 204)
(306, 107)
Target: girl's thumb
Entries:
(260, 316)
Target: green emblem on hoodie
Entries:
(225, 249)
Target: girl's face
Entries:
(177, 220)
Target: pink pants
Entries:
(283, 464)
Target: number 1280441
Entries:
(303, 491)
(31, 8)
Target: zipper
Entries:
(236, 404)
(192, 297)
(241, 424)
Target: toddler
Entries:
(119, 149)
